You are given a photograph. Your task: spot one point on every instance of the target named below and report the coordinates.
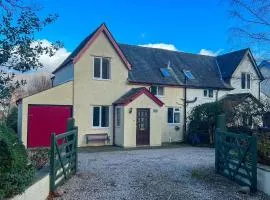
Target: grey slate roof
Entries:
(229, 61)
(128, 96)
(209, 72)
(76, 50)
(238, 98)
(146, 63)
(133, 93)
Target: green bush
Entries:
(202, 120)
(16, 174)
(12, 119)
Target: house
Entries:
(130, 95)
(265, 84)
(242, 109)
(265, 90)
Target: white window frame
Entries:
(157, 89)
(246, 81)
(101, 60)
(100, 117)
(207, 93)
(174, 111)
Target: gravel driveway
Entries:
(173, 173)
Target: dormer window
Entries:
(245, 81)
(102, 68)
(157, 90)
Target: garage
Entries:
(44, 120)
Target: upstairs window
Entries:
(101, 68)
(157, 90)
(173, 115)
(208, 93)
(245, 81)
(100, 116)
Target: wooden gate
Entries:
(63, 155)
(236, 156)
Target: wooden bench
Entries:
(99, 137)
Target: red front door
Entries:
(44, 120)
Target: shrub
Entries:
(15, 172)
(39, 157)
(202, 122)
(12, 119)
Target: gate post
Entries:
(254, 164)
(221, 122)
(52, 163)
(221, 126)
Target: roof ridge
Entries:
(231, 52)
(69, 58)
(139, 46)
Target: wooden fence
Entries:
(236, 155)
(63, 155)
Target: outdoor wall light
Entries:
(130, 110)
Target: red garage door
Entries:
(44, 120)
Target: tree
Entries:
(203, 120)
(20, 50)
(38, 83)
(12, 119)
(252, 21)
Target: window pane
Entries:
(170, 115)
(96, 116)
(153, 90)
(160, 91)
(97, 67)
(176, 117)
(248, 81)
(104, 116)
(118, 117)
(205, 93)
(105, 68)
(211, 93)
(250, 121)
(243, 80)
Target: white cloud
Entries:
(160, 46)
(51, 63)
(207, 52)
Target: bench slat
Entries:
(97, 137)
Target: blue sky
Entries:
(189, 25)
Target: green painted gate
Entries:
(63, 155)
(236, 156)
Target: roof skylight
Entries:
(165, 72)
(188, 75)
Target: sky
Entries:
(193, 26)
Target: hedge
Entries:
(16, 174)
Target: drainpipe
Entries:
(113, 132)
(185, 109)
(260, 90)
(52, 79)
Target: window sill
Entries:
(208, 98)
(159, 96)
(100, 128)
(100, 79)
(174, 124)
